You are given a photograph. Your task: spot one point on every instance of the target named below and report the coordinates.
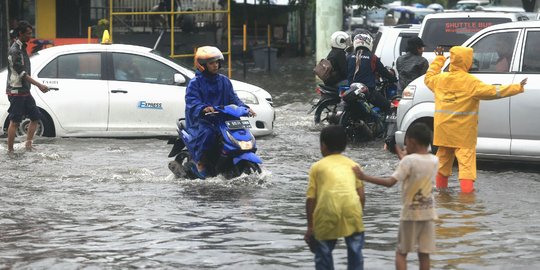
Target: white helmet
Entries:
(340, 40)
(363, 40)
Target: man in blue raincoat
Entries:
(207, 89)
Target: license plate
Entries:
(237, 124)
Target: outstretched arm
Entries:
(435, 69)
(488, 91)
(387, 182)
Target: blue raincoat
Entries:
(206, 90)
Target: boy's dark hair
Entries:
(334, 138)
(421, 133)
(22, 26)
(413, 44)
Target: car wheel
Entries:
(44, 128)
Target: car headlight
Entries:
(247, 97)
(408, 92)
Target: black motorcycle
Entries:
(361, 119)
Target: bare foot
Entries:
(28, 146)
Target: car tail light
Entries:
(318, 90)
(408, 92)
(395, 103)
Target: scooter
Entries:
(233, 154)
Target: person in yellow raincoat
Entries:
(457, 101)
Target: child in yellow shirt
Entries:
(335, 199)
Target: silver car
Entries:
(508, 128)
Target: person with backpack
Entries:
(339, 41)
(363, 66)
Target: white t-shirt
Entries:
(417, 172)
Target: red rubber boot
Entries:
(441, 181)
(467, 185)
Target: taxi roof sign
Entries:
(106, 38)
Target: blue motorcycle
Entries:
(234, 152)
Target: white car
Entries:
(391, 42)
(508, 128)
(90, 102)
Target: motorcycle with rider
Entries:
(326, 105)
(366, 107)
(212, 138)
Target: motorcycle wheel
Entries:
(325, 113)
(356, 129)
(248, 167)
(181, 166)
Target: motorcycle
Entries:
(362, 120)
(233, 154)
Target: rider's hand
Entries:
(208, 109)
(252, 113)
(439, 50)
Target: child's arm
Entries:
(310, 207)
(400, 152)
(387, 182)
(362, 196)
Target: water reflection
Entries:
(458, 226)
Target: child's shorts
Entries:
(416, 236)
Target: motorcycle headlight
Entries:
(247, 97)
(245, 145)
(408, 92)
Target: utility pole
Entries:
(329, 18)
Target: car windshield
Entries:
(448, 32)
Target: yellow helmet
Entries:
(207, 54)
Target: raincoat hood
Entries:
(461, 58)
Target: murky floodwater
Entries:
(112, 203)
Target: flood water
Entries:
(113, 204)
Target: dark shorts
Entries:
(21, 107)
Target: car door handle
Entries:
(119, 91)
(54, 88)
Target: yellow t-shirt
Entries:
(338, 212)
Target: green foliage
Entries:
(365, 4)
(102, 25)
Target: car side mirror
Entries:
(179, 79)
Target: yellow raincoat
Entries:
(457, 99)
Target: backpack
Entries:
(323, 69)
